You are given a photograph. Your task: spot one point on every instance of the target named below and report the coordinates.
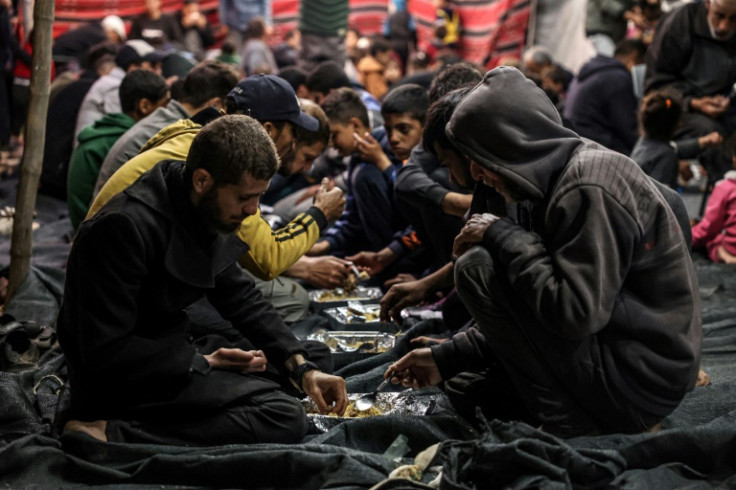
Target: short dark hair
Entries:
(326, 76)
(207, 80)
(140, 84)
(256, 27)
(97, 52)
(659, 113)
(379, 45)
(408, 99)
(558, 74)
(294, 75)
(438, 116)
(230, 146)
(628, 46)
(343, 104)
(304, 137)
(451, 77)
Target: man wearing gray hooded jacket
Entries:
(589, 302)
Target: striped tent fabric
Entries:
(491, 29)
(367, 16)
(72, 13)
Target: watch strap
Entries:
(297, 374)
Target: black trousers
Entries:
(563, 383)
(267, 417)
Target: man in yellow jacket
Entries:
(298, 137)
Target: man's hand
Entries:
(710, 139)
(329, 200)
(328, 392)
(399, 279)
(373, 262)
(711, 106)
(251, 361)
(472, 232)
(370, 151)
(401, 296)
(327, 272)
(417, 369)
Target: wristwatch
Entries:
(298, 373)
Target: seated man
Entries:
(589, 302)
(693, 51)
(159, 246)
(272, 102)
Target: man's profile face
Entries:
(721, 18)
(285, 141)
(510, 191)
(457, 164)
(304, 157)
(224, 208)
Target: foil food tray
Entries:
(406, 402)
(337, 295)
(358, 341)
(356, 313)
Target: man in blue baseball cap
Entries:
(272, 101)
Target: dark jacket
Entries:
(683, 55)
(132, 270)
(61, 120)
(602, 255)
(601, 104)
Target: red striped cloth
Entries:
(491, 29)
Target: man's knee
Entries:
(273, 417)
(474, 274)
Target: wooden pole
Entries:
(35, 133)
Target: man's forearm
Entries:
(456, 204)
(441, 278)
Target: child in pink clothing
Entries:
(716, 232)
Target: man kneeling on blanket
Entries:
(136, 374)
(588, 303)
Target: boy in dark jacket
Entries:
(368, 221)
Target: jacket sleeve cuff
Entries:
(397, 249)
(687, 148)
(458, 354)
(318, 216)
(495, 234)
(200, 365)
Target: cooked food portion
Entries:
(351, 411)
(345, 294)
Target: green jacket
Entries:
(94, 143)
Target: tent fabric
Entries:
(491, 30)
(695, 449)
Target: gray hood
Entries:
(508, 125)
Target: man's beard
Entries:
(211, 214)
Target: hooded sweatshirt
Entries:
(602, 255)
(601, 104)
(94, 143)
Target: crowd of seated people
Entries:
(487, 192)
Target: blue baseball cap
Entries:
(270, 98)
